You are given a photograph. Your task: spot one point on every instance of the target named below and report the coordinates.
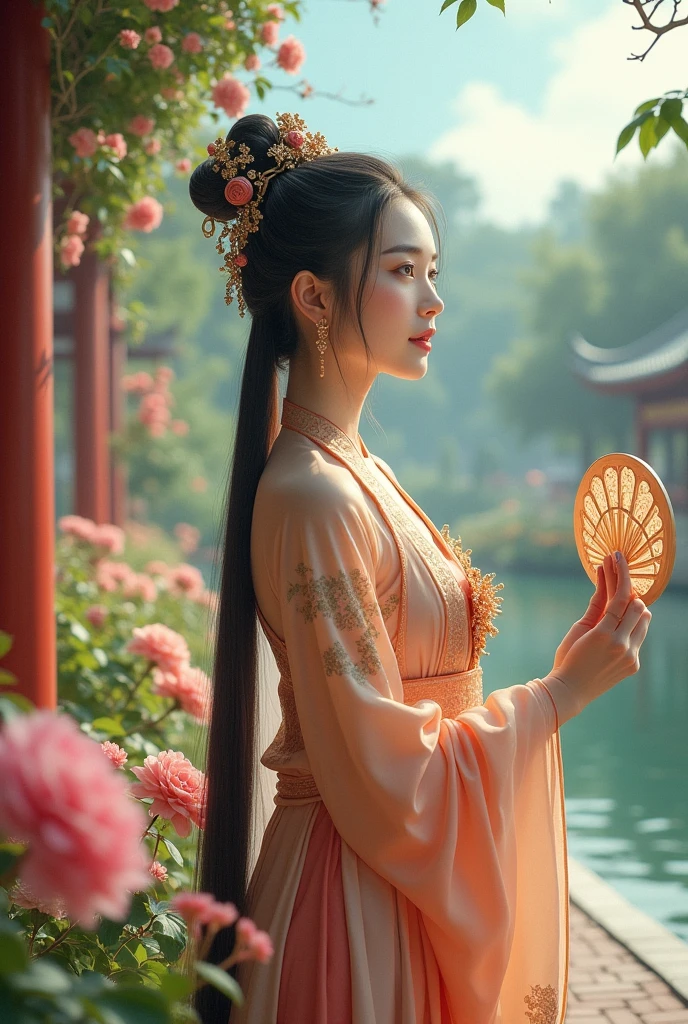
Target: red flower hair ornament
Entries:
(296, 146)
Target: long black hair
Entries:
(318, 217)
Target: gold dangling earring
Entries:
(321, 343)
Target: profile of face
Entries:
(400, 301)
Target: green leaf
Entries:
(112, 726)
(126, 957)
(647, 137)
(625, 137)
(7, 678)
(13, 704)
(671, 109)
(680, 126)
(175, 986)
(128, 257)
(170, 931)
(109, 932)
(173, 851)
(9, 855)
(100, 656)
(42, 977)
(114, 171)
(466, 10)
(661, 128)
(140, 912)
(447, 3)
(221, 980)
(13, 954)
(499, 4)
(647, 105)
(5, 642)
(135, 1004)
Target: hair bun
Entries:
(207, 187)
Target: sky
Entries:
(519, 102)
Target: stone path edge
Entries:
(649, 941)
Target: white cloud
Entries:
(519, 155)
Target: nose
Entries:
(433, 305)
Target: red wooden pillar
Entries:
(118, 469)
(92, 388)
(27, 508)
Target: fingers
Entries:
(598, 601)
(620, 590)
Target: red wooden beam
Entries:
(27, 510)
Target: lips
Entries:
(425, 336)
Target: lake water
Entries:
(626, 754)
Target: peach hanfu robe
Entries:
(414, 869)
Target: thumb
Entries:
(598, 601)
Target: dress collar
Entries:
(320, 428)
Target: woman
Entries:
(414, 868)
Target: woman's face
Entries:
(401, 300)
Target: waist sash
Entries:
(454, 692)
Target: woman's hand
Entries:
(602, 647)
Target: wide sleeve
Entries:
(465, 815)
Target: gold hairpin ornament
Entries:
(296, 146)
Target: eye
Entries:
(409, 266)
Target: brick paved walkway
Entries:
(608, 985)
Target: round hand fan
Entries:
(622, 505)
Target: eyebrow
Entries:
(408, 248)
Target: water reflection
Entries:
(626, 754)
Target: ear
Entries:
(311, 296)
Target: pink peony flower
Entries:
(185, 579)
(116, 141)
(183, 165)
(179, 427)
(190, 686)
(109, 575)
(178, 789)
(153, 35)
(137, 382)
(160, 644)
(160, 5)
(116, 754)
(231, 95)
(157, 568)
(96, 615)
(269, 32)
(261, 947)
(160, 56)
(164, 375)
(22, 896)
(188, 537)
(251, 942)
(71, 251)
(141, 125)
(77, 223)
(129, 39)
(191, 43)
(158, 871)
(85, 142)
(276, 11)
(60, 795)
(77, 526)
(154, 413)
(153, 147)
(140, 585)
(144, 215)
(252, 62)
(291, 55)
(110, 537)
(200, 908)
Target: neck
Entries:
(329, 398)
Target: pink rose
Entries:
(96, 615)
(276, 11)
(110, 537)
(140, 585)
(291, 55)
(269, 31)
(77, 526)
(190, 686)
(71, 251)
(191, 43)
(116, 141)
(153, 35)
(22, 896)
(114, 753)
(139, 382)
(141, 125)
(144, 215)
(160, 56)
(185, 579)
(158, 871)
(183, 165)
(129, 39)
(231, 95)
(160, 5)
(62, 797)
(188, 537)
(178, 789)
(85, 142)
(77, 223)
(164, 375)
(109, 574)
(157, 568)
(200, 908)
(252, 62)
(153, 147)
(179, 427)
(160, 644)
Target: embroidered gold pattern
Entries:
(348, 599)
(484, 600)
(322, 429)
(388, 607)
(543, 1005)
